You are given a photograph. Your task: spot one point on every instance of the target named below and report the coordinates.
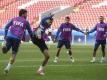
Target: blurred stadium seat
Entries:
(85, 18)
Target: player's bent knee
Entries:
(12, 60)
(47, 57)
(4, 50)
(95, 49)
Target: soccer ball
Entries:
(49, 32)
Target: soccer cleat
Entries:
(4, 43)
(41, 72)
(4, 49)
(55, 61)
(102, 60)
(93, 61)
(72, 60)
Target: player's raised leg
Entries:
(6, 45)
(4, 49)
(15, 46)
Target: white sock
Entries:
(56, 58)
(8, 66)
(67, 52)
(103, 58)
(40, 68)
(94, 58)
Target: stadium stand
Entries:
(85, 18)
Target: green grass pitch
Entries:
(29, 59)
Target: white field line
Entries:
(35, 59)
(79, 65)
(76, 63)
(21, 60)
(31, 60)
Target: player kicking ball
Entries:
(65, 37)
(39, 40)
(14, 31)
(101, 29)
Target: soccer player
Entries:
(39, 40)
(101, 29)
(14, 31)
(65, 37)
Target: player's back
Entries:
(18, 26)
(45, 22)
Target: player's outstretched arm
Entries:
(57, 34)
(29, 30)
(106, 31)
(6, 27)
(46, 18)
(77, 29)
(92, 30)
(52, 15)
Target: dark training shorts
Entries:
(12, 43)
(66, 43)
(98, 43)
(40, 43)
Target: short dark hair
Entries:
(67, 17)
(101, 16)
(22, 11)
(51, 19)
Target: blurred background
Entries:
(84, 18)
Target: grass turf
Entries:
(29, 58)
